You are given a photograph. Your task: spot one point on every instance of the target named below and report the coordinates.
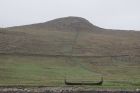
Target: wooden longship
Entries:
(84, 83)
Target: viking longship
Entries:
(84, 83)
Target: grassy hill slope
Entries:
(51, 71)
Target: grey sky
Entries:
(112, 14)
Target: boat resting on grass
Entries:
(84, 83)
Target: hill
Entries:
(72, 48)
(59, 36)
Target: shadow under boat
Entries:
(84, 83)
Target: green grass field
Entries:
(51, 71)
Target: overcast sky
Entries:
(111, 14)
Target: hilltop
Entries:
(62, 24)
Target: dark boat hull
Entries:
(83, 83)
(70, 83)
